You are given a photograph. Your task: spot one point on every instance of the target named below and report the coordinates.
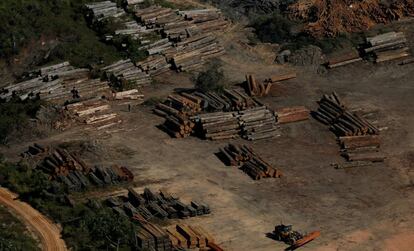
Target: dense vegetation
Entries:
(23, 23)
(276, 28)
(85, 227)
(15, 115)
(13, 234)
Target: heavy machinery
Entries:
(293, 238)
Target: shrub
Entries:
(212, 79)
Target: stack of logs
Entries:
(151, 237)
(188, 236)
(58, 83)
(342, 122)
(124, 71)
(132, 94)
(359, 139)
(218, 125)
(255, 88)
(103, 10)
(248, 161)
(70, 170)
(95, 113)
(150, 205)
(257, 123)
(292, 114)
(388, 46)
(154, 65)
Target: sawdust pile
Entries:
(332, 17)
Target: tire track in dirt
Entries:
(48, 233)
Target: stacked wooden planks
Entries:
(218, 125)
(58, 83)
(151, 237)
(292, 114)
(97, 114)
(70, 170)
(342, 122)
(248, 161)
(103, 10)
(124, 71)
(189, 236)
(255, 88)
(388, 46)
(257, 123)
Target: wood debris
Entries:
(250, 162)
(388, 46)
(292, 114)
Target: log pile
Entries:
(249, 161)
(344, 59)
(255, 88)
(189, 236)
(206, 20)
(132, 29)
(218, 125)
(58, 83)
(70, 170)
(257, 123)
(342, 122)
(161, 205)
(124, 71)
(193, 52)
(132, 94)
(154, 65)
(103, 10)
(359, 139)
(96, 114)
(157, 47)
(361, 148)
(292, 114)
(151, 237)
(388, 46)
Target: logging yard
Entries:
(203, 138)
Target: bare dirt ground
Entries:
(48, 233)
(368, 208)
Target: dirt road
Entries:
(48, 233)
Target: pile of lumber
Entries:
(189, 236)
(70, 170)
(193, 52)
(97, 114)
(154, 15)
(255, 88)
(102, 10)
(178, 126)
(250, 162)
(292, 114)
(157, 47)
(132, 94)
(344, 59)
(257, 123)
(154, 65)
(388, 46)
(182, 104)
(124, 71)
(361, 148)
(218, 125)
(150, 205)
(342, 122)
